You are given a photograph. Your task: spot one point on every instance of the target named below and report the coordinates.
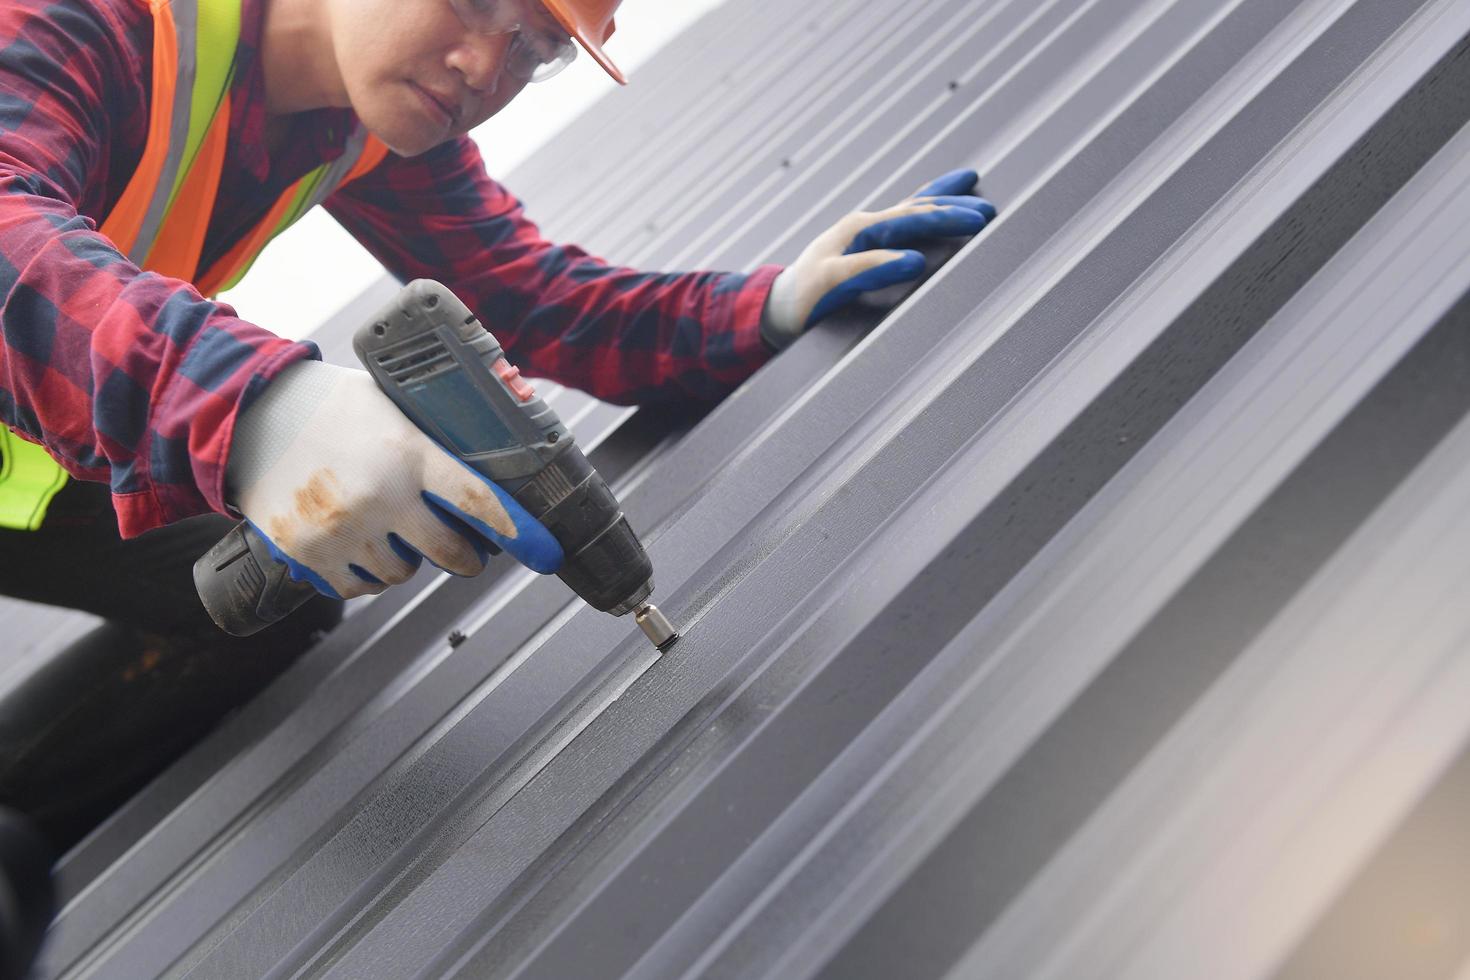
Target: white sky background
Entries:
(312, 270)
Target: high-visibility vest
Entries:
(161, 218)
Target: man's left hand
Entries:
(869, 250)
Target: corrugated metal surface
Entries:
(1100, 613)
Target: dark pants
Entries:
(108, 713)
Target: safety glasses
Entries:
(538, 49)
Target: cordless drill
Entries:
(448, 374)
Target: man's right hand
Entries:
(351, 495)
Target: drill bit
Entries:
(656, 626)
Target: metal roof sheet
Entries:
(1095, 613)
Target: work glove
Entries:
(351, 495)
(867, 250)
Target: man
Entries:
(123, 205)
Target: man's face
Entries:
(415, 74)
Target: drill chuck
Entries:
(605, 564)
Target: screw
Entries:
(456, 638)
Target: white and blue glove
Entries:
(352, 496)
(869, 250)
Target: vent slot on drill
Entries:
(416, 362)
(553, 486)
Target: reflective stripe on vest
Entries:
(161, 218)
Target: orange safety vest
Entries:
(160, 220)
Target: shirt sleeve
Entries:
(126, 377)
(622, 335)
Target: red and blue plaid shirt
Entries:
(134, 379)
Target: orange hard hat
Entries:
(591, 23)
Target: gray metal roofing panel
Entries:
(708, 835)
(812, 80)
(732, 100)
(326, 701)
(968, 600)
(32, 633)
